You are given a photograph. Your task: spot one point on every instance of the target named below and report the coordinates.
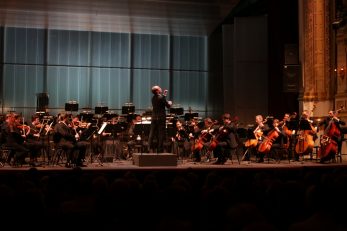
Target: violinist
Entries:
(331, 123)
(181, 143)
(226, 140)
(13, 139)
(33, 142)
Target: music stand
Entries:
(176, 110)
(189, 116)
(114, 129)
(100, 109)
(128, 108)
(71, 106)
(142, 130)
(42, 102)
(86, 116)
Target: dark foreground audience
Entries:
(163, 201)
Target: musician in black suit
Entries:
(65, 138)
(158, 122)
(327, 124)
(227, 140)
(11, 136)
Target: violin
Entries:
(24, 128)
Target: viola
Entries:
(23, 127)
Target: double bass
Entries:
(305, 141)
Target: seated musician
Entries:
(132, 139)
(255, 137)
(13, 139)
(227, 140)
(305, 136)
(33, 139)
(181, 140)
(335, 136)
(202, 137)
(277, 137)
(65, 138)
(289, 127)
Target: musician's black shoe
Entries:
(81, 165)
(219, 162)
(198, 159)
(245, 159)
(34, 164)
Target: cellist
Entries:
(226, 140)
(260, 128)
(332, 129)
(202, 136)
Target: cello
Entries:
(266, 145)
(258, 134)
(205, 136)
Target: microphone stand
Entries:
(113, 133)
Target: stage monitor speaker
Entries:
(71, 106)
(291, 54)
(154, 159)
(42, 102)
(291, 78)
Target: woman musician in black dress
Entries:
(181, 141)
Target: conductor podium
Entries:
(154, 159)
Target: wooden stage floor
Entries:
(184, 164)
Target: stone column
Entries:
(314, 43)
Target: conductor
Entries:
(158, 122)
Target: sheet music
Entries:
(102, 127)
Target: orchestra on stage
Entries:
(70, 139)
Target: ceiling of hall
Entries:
(179, 17)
